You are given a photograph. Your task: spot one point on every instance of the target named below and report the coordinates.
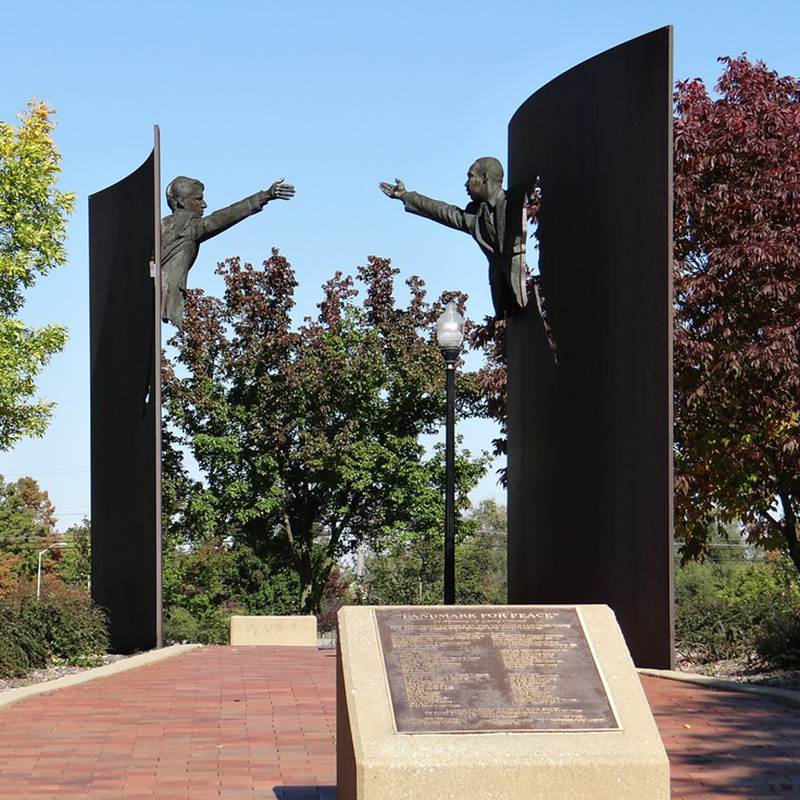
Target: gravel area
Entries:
(743, 671)
(52, 672)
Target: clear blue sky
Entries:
(333, 96)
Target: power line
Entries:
(28, 473)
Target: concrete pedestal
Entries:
(289, 631)
(375, 762)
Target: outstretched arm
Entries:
(437, 210)
(224, 218)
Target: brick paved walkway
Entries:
(724, 744)
(258, 723)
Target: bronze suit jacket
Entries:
(182, 233)
(498, 233)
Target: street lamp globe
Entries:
(450, 329)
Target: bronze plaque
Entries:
(491, 668)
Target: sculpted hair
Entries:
(492, 167)
(177, 188)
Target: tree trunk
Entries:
(321, 579)
(306, 574)
(789, 529)
(312, 582)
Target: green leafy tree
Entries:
(27, 523)
(206, 583)
(33, 214)
(409, 570)
(483, 556)
(308, 439)
(75, 564)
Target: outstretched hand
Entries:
(280, 191)
(396, 190)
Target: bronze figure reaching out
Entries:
(185, 229)
(494, 222)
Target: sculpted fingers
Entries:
(280, 190)
(393, 190)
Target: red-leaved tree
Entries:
(737, 306)
(737, 310)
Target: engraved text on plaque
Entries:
(482, 669)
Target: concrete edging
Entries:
(787, 697)
(12, 696)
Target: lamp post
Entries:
(39, 570)
(449, 336)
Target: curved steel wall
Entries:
(590, 439)
(125, 409)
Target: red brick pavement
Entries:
(725, 744)
(217, 722)
(259, 722)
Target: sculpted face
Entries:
(477, 183)
(193, 200)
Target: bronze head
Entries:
(186, 194)
(484, 178)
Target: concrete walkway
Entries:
(259, 722)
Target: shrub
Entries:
(204, 586)
(778, 639)
(64, 626)
(22, 647)
(739, 609)
(209, 627)
(74, 628)
(337, 593)
(719, 608)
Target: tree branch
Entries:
(774, 524)
(288, 527)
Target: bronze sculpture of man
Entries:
(493, 219)
(185, 229)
